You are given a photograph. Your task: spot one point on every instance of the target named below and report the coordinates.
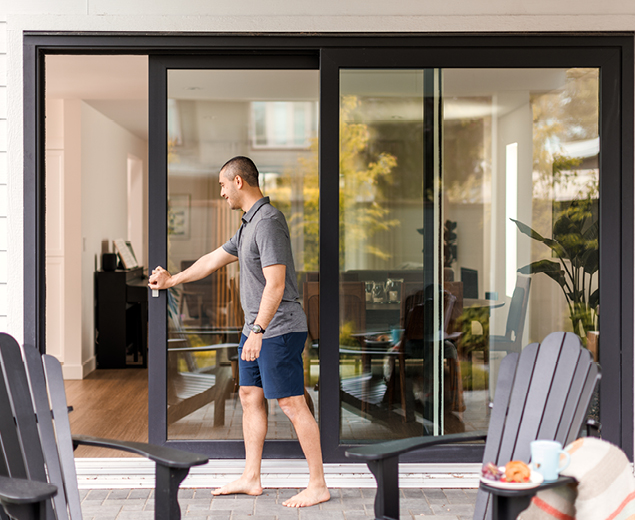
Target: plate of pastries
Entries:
(514, 475)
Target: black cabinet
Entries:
(121, 318)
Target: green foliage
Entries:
(473, 376)
(363, 177)
(346, 335)
(575, 246)
(469, 341)
(449, 243)
(563, 116)
(362, 213)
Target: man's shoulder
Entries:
(269, 210)
(271, 213)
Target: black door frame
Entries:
(611, 52)
(159, 65)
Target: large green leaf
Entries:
(591, 261)
(551, 269)
(557, 248)
(592, 232)
(569, 236)
(564, 226)
(532, 233)
(525, 229)
(594, 299)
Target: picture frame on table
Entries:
(126, 253)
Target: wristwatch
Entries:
(257, 329)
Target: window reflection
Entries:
(517, 227)
(214, 115)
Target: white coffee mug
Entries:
(546, 459)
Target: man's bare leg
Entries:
(252, 399)
(309, 436)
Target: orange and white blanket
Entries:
(605, 488)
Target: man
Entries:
(275, 329)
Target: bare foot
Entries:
(311, 496)
(242, 485)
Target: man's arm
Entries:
(204, 266)
(275, 276)
(272, 294)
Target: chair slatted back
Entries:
(353, 304)
(45, 418)
(12, 464)
(57, 396)
(574, 396)
(20, 439)
(543, 393)
(9, 444)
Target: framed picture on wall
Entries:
(179, 216)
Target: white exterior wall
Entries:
(240, 16)
(4, 209)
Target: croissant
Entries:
(517, 471)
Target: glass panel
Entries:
(391, 300)
(521, 152)
(214, 115)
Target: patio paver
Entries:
(345, 504)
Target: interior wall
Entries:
(243, 16)
(75, 364)
(104, 155)
(54, 160)
(63, 237)
(470, 242)
(512, 127)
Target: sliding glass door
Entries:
(468, 226)
(390, 289)
(214, 110)
(441, 215)
(214, 115)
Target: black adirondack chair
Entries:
(37, 444)
(543, 393)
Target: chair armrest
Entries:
(204, 348)
(383, 461)
(499, 341)
(160, 454)
(562, 481)
(388, 449)
(21, 491)
(507, 504)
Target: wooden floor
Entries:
(111, 404)
(114, 404)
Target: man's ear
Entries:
(238, 180)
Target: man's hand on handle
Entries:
(204, 266)
(160, 279)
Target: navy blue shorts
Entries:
(279, 370)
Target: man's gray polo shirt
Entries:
(263, 240)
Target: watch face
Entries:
(256, 328)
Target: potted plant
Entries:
(574, 244)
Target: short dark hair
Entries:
(242, 166)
